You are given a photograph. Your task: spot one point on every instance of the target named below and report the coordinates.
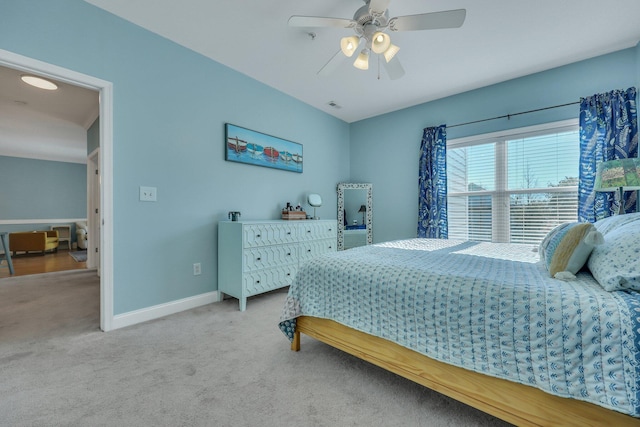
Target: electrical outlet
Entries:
(148, 194)
(196, 269)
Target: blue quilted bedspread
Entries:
(487, 307)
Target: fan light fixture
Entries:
(372, 22)
(379, 43)
(362, 61)
(382, 44)
(39, 82)
(349, 45)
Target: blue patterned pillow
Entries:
(565, 249)
(616, 263)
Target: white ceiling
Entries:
(42, 124)
(500, 40)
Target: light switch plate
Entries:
(148, 194)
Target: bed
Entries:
(486, 323)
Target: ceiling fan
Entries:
(370, 23)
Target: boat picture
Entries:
(271, 152)
(236, 144)
(259, 149)
(285, 156)
(255, 149)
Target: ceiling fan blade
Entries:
(378, 7)
(394, 68)
(333, 64)
(429, 21)
(319, 21)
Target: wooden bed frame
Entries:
(513, 402)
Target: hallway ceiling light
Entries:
(39, 82)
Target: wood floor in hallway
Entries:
(26, 264)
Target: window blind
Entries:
(513, 188)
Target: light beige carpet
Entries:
(211, 366)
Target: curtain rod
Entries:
(508, 116)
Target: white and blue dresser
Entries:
(259, 256)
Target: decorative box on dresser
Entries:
(260, 256)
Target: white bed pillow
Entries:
(611, 223)
(616, 263)
(566, 248)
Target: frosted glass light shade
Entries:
(348, 45)
(380, 42)
(390, 52)
(362, 61)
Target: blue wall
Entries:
(170, 106)
(41, 189)
(391, 142)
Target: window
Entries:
(513, 187)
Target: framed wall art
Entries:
(255, 148)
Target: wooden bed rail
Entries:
(513, 402)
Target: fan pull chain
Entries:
(378, 66)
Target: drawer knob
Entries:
(289, 254)
(258, 235)
(288, 274)
(258, 259)
(308, 250)
(289, 233)
(308, 231)
(257, 281)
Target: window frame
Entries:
(500, 197)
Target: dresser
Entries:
(260, 256)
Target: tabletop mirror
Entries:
(355, 215)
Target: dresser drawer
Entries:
(257, 282)
(269, 256)
(268, 234)
(312, 230)
(314, 248)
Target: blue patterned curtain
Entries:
(432, 203)
(608, 131)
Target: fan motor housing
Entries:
(364, 17)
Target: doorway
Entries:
(104, 162)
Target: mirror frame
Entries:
(369, 216)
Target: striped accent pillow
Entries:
(566, 248)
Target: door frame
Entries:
(93, 209)
(105, 88)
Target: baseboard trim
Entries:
(161, 310)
